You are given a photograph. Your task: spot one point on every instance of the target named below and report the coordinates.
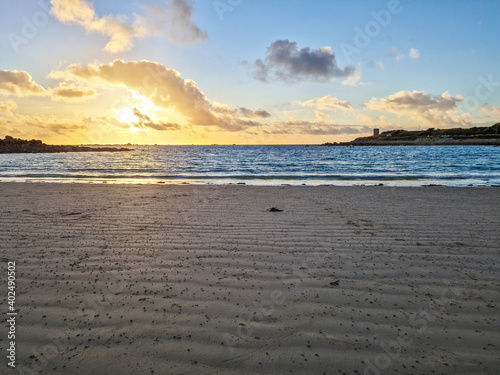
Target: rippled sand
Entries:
(130, 279)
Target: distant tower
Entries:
(376, 132)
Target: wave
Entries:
(334, 177)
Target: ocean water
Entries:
(265, 165)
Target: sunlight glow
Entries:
(144, 105)
(126, 115)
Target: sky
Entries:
(244, 71)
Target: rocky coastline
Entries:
(477, 136)
(10, 145)
(374, 141)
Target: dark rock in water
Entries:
(274, 209)
(10, 145)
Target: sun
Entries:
(139, 102)
(126, 115)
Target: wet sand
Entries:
(172, 279)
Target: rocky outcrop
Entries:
(480, 136)
(432, 141)
(10, 145)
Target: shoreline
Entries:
(121, 279)
(361, 184)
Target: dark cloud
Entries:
(255, 113)
(144, 122)
(285, 62)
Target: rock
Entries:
(10, 145)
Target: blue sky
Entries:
(251, 72)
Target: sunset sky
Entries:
(244, 71)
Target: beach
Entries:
(185, 279)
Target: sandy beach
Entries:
(183, 279)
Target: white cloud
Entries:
(436, 111)
(174, 18)
(7, 108)
(414, 53)
(493, 112)
(327, 103)
(355, 79)
(314, 128)
(19, 83)
(165, 88)
(395, 53)
(82, 13)
(376, 65)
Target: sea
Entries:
(264, 165)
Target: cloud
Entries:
(327, 103)
(376, 65)
(144, 122)
(315, 128)
(63, 128)
(7, 109)
(436, 111)
(47, 124)
(375, 120)
(255, 113)
(414, 53)
(394, 52)
(71, 93)
(321, 116)
(285, 62)
(398, 55)
(493, 112)
(163, 86)
(355, 79)
(175, 19)
(19, 83)
(82, 13)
